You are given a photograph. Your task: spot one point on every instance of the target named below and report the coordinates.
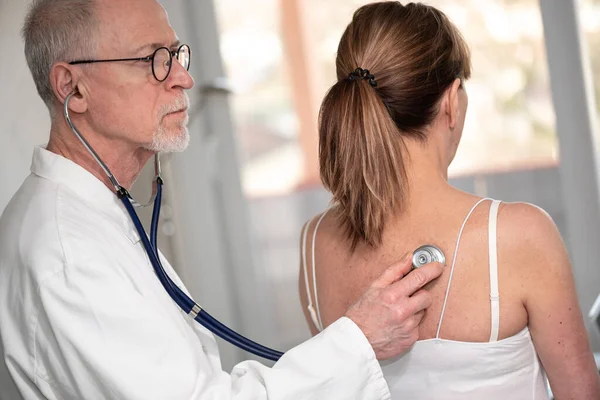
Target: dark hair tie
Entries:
(360, 73)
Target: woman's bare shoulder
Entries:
(526, 222)
(530, 237)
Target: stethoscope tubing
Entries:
(184, 302)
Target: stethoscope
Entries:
(423, 255)
(189, 306)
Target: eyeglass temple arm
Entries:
(147, 58)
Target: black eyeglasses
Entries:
(161, 60)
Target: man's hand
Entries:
(390, 311)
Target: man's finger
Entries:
(418, 278)
(419, 302)
(393, 273)
(420, 314)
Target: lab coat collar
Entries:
(82, 183)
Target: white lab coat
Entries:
(82, 315)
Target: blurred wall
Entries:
(25, 119)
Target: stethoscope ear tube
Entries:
(88, 147)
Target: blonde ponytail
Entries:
(393, 64)
(360, 158)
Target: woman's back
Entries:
(342, 274)
(467, 352)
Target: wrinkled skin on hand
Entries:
(390, 311)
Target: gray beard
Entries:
(164, 143)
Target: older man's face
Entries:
(126, 102)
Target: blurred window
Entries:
(589, 18)
(510, 122)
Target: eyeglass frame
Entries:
(173, 53)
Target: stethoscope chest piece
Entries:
(426, 254)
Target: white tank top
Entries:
(442, 369)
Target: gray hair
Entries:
(57, 30)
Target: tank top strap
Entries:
(313, 308)
(462, 227)
(493, 254)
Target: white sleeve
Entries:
(338, 363)
(95, 337)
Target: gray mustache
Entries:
(179, 104)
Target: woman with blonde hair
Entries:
(505, 310)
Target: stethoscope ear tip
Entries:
(72, 93)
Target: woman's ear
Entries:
(64, 79)
(452, 103)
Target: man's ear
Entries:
(65, 79)
(452, 106)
